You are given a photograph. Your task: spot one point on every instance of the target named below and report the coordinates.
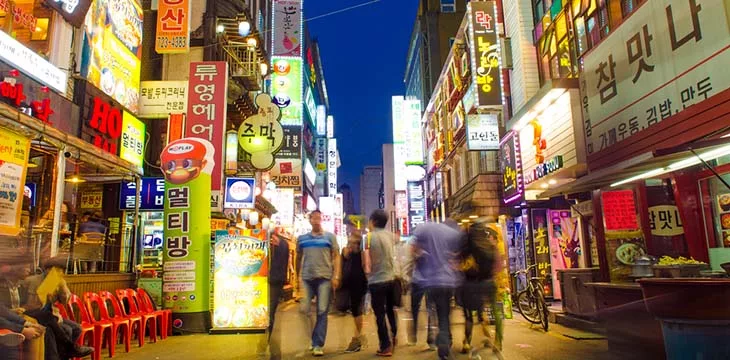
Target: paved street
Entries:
(522, 342)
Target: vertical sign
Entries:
(485, 63)
(412, 136)
(564, 239)
(133, 140)
(240, 288)
(206, 115)
(151, 194)
(511, 165)
(416, 204)
(14, 151)
(291, 147)
(283, 200)
(287, 19)
(173, 26)
(286, 87)
(542, 248)
(332, 166)
(261, 134)
(187, 166)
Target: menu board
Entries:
(240, 280)
(619, 210)
(13, 164)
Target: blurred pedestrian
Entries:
(436, 249)
(279, 253)
(355, 283)
(379, 265)
(479, 262)
(318, 263)
(418, 293)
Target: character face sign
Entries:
(183, 160)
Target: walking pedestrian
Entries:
(277, 277)
(379, 265)
(318, 262)
(479, 262)
(356, 284)
(418, 293)
(437, 248)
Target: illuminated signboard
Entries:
(27, 61)
(239, 193)
(173, 26)
(158, 99)
(287, 29)
(133, 140)
(401, 204)
(74, 11)
(310, 104)
(321, 120)
(482, 132)
(13, 167)
(485, 53)
(151, 194)
(330, 126)
(287, 173)
(102, 122)
(291, 147)
(416, 204)
(543, 169)
(261, 135)
(510, 165)
(283, 200)
(112, 49)
(309, 171)
(412, 138)
(332, 166)
(286, 88)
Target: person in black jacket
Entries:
(356, 283)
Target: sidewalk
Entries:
(522, 342)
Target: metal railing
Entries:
(245, 64)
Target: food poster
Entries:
(665, 222)
(541, 248)
(723, 207)
(112, 49)
(565, 249)
(187, 164)
(241, 280)
(502, 277)
(14, 151)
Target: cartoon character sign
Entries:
(261, 135)
(185, 159)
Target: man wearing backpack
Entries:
(479, 264)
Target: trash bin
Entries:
(692, 339)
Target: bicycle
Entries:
(531, 301)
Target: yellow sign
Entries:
(92, 199)
(173, 24)
(14, 150)
(664, 220)
(132, 145)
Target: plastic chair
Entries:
(133, 309)
(165, 314)
(76, 306)
(106, 322)
(120, 313)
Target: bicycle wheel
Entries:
(528, 307)
(544, 313)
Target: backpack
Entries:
(480, 253)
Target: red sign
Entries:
(206, 115)
(13, 93)
(619, 210)
(106, 120)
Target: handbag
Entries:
(398, 292)
(342, 299)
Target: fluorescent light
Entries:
(552, 182)
(473, 216)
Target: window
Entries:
(448, 6)
(33, 27)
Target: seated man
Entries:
(14, 330)
(65, 332)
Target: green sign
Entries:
(132, 144)
(286, 89)
(187, 165)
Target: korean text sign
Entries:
(511, 166)
(485, 53)
(239, 193)
(173, 26)
(112, 49)
(287, 35)
(292, 145)
(669, 55)
(619, 210)
(158, 99)
(133, 140)
(287, 173)
(240, 280)
(416, 204)
(482, 132)
(286, 86)
(14, 151)
(151, 194)
(332, 167)
(206, 114)
(187, 166)
(541, 245)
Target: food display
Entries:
(725, 221)
(627, 253)
(668, 260)
(724, 202)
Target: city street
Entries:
(521, 342)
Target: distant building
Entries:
(389, 184)
(348, 201)
(370, 188)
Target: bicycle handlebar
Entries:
(524, 271)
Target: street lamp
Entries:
(264, 69)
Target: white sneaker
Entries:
(317, 351)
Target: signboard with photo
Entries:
(13, 167)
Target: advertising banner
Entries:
(286, 86)
(416, 204)
(133, 141)
(173, 26)
(261, 135)
(485, 65)
(287, 173)
(287, 19)
(510, 164)
(619, 210)
(240, 193)
(482, 132)
(667, 56)
(283, 200)
(411, 132)
(564, 244)
(187, 168)
(291, 147)
(13, 166)
(112, 49)
(158, 99)
(29, 62)
(241, 289)
(541, 244)
(151, 193)
(206, 115)
(401, 204)
(332, 166)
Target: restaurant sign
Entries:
(482, 132)
(173, 26)
(485, 63)
(287, 173)
(667, 56)
(158, 99)
(261, 135)
(510, 164)
(27, 61)
(151, 194)
(544, 169)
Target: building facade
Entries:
(371, 181)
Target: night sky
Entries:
(363, 52)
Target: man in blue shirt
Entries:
(318, 263)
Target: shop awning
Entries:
(644, 166)
(19, 122)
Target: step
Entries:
(575, 322)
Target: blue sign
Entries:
(152, 195)
(240, 193)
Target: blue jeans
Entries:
(418, 292)
(322, 289)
